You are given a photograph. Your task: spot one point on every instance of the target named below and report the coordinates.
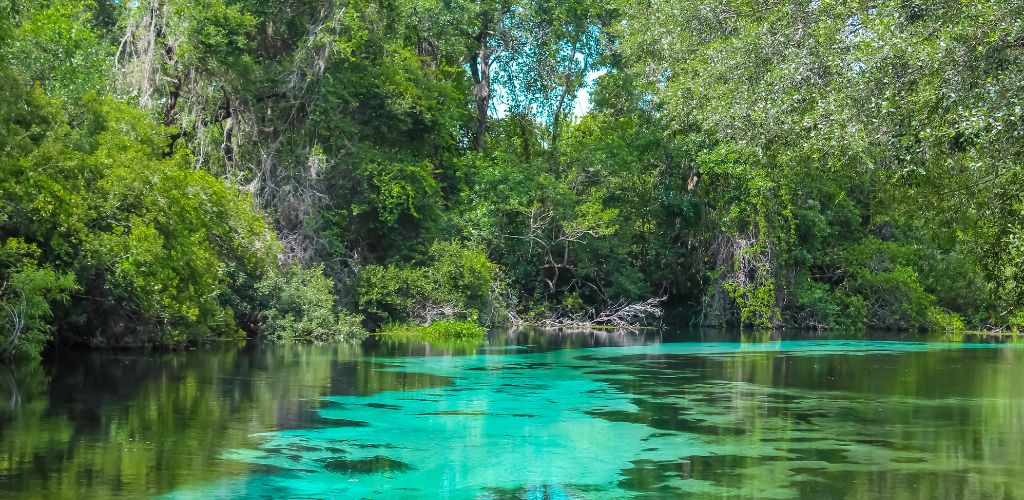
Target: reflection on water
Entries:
(527, 414)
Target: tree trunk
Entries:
(480, 67)
(567, 87)
(227, 146)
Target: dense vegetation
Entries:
(179, 170)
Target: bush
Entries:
(942, 320)
(815, 305)
(300, 307)
(1016, 322)
(853, 311)
(455, 282)
(387, 294)
(27, 291)
(884, 276)
(164, 253)
(148, 238)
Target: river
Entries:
(524, 415)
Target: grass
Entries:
(440, 330)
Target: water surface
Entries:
(524, 415)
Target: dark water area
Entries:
(525, 414)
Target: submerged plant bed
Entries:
(457, 335)
(439, 330)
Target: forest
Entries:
(179, 171)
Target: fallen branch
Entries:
(619, 315)
(427, 313)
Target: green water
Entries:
(526, 415)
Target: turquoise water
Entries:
(535, 416)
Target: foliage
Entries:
(828, 164)
(156, 252)
(60, 48)
(856, 135)
(449, 335)
(454, 282)
(300, 307)
(27, 291)
(149, 240)
(439, 330)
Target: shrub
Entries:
(300, 307)
(853, 311)
(942, 320)
(388, 293)
(1017, 322)
(164, 253)
(814, 305)
(27, 291)
(885, 276)
(455, 282)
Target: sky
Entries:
(580, 106)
